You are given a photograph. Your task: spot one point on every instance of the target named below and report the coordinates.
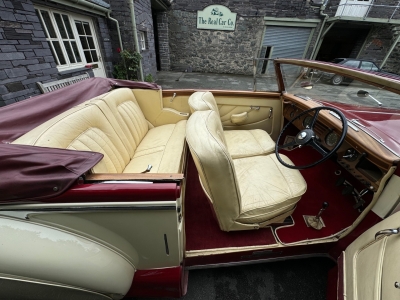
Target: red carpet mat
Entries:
(202, 230)
(321, 186)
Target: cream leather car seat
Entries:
(246, 193)
(240, 143)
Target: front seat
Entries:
(240, 143)
(245, 193)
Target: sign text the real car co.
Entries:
(217, 17)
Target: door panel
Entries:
(372, 267)
(263, 109)
(246, 112)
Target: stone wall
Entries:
(216, 51)
(163, 41)
(377, 43)
(392, 64)
(25, 56)
(144, 22)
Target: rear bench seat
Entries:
(114, 125)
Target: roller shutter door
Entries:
(286, 41)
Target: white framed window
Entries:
(71, 37)
(142, 36)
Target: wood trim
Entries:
(358, 140)
(134, 176)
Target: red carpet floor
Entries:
(202, 230)
(321, 186)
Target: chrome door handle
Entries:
(387, 232)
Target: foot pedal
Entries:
(289, 139)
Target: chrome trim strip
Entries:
(252, 262)
(24, 210)
(348, 121)
(366, 130)
(91, 206)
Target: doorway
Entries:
(342, 41)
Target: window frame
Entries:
(72, 17)
(143, 44)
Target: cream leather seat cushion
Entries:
(162, 148)
(246, 193)
(241, 143)
(267, 187)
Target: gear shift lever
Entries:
(316, 221)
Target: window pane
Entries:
(69, 52)
(87, 28)
(352, 63)
(91, 43)
(84, 42)
(76, 52)
(59, 52)
(94, 55)
(49, 25)
(79, 28)
(54, 55)
(60, 26)
(365, 65)
(68, 26)
(88, 56)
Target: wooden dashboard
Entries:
(364, 157)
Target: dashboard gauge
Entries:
(307, 121)
(331, 139)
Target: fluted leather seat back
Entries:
(207, 144)
(126, 110)
(85, 127)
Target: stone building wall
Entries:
(163, 41)
(217, 51)
(25, 56)
(144, 22)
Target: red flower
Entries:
(118, 50)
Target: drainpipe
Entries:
(118, 31)
(135, 38)
(321, 12)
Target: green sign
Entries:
(217, 17)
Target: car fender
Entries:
(47, 254)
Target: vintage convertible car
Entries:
(114, 189)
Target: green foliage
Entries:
(128, 65)
(149, 78)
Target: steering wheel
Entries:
(307, 137)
